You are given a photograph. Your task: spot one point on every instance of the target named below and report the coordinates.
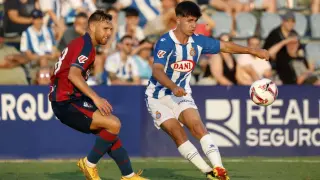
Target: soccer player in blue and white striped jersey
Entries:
(168, 94)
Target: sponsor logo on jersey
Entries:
(82, 59)
(161, 53)
(183, 66)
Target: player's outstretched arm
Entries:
(75, 76)
(233, 48)
(163, 79)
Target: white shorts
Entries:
(168, 107)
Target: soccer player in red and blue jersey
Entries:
(79, 107)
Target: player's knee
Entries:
(115, 125)
(198, 130)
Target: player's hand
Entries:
(262, 54)
(103, 105)
(179, 91)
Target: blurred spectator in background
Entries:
(78, 29)
(43, 76)
(148, 10)
(315, 6)
(121, 67)
(38, 43)
(53, 18)
(223, 66)
(276, 44)
(250, 5)
(18, 16)
(143, 61)
(165, 21)
(11, 73)
(70, 8)
(205, 23)
(259, 68)
(112, 42)
(131, 26)
(295, 68)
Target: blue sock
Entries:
(103, 143)
(120, 156)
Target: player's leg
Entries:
(188, 114)
(173, 128)
(191, 119)
(107, 141)
(165, 119)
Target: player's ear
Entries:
(178, 20)
(92, 26)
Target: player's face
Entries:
(103, 31)
(187, 24)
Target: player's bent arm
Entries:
(161, 77)
(229, 47)
(75, 76)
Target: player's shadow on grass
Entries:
(171, 174)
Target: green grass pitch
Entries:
(168, 169)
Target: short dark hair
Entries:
(125, 37)
(131, 12)
(82, 15)
(99, 15)
(188, 8)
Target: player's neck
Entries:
(93, 41)
(182, 38)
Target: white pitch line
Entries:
(229, 160)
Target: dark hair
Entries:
(188, 8)
(111, 8)
(131, 12)
(99, 15)
(125, 37)
(82, 15)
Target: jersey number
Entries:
(57, 66)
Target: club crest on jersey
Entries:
(192, 52)
(82, 59)
(183, 66)
(161, 53)
(158, 115)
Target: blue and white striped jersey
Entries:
(179, 60)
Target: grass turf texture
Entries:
(167, 169)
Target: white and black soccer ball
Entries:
(263, 92)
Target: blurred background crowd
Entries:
(35, 32)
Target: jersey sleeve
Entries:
(81, 58)
(162, 50)
(209, 45)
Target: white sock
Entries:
(190, 152)
(90, 164)
(130, 175)
(211, 150)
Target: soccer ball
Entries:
(263, 92)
